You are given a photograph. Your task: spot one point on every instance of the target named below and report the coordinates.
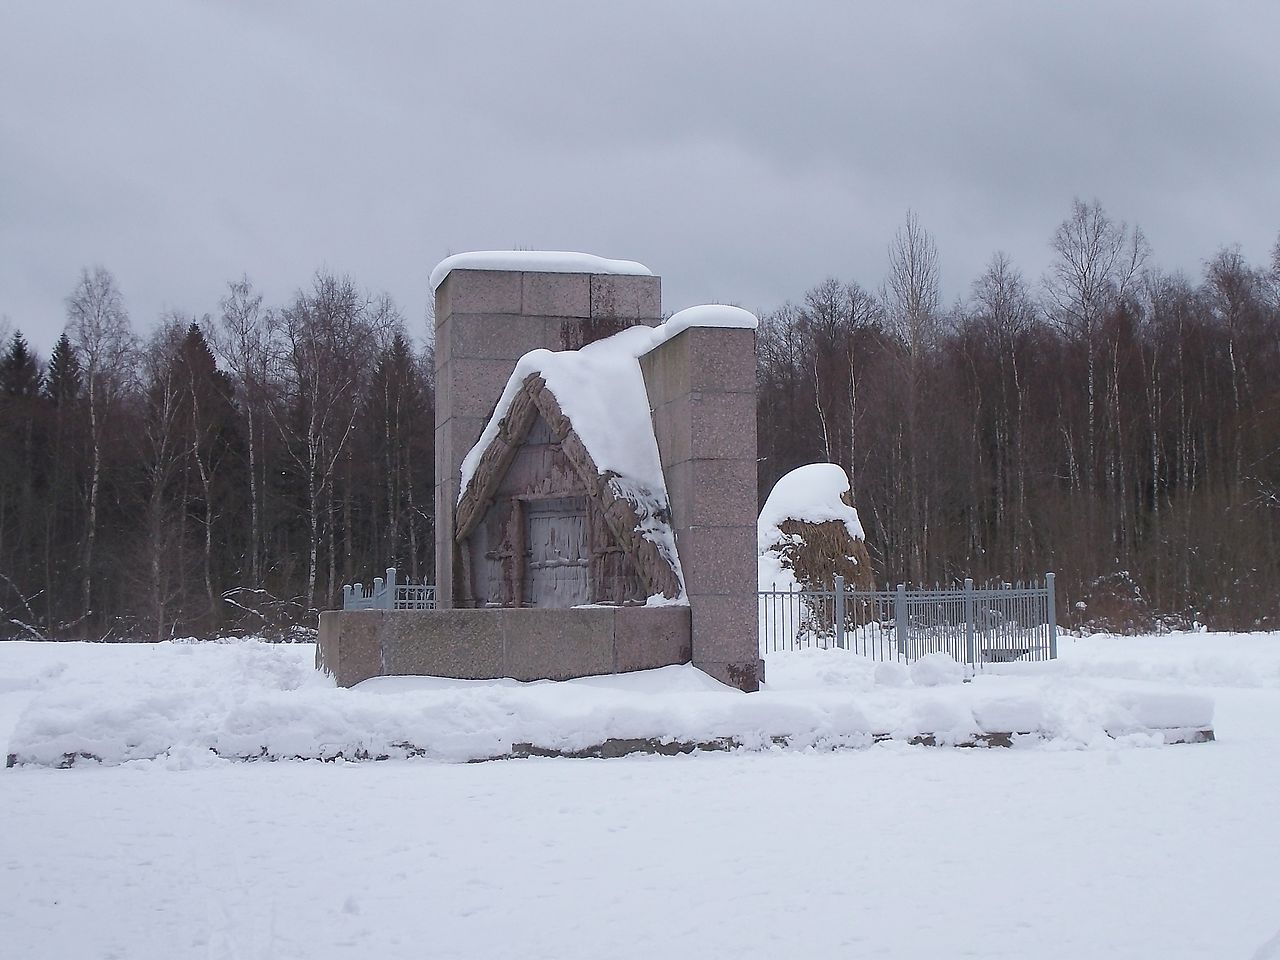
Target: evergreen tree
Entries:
(65, 378)
(21, 474)
(19, 370)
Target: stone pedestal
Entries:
(485, 321)
(702, 389)
(520, 643)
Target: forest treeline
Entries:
(1111, 422)
(1114, 423)
(227, 474)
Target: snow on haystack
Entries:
(600, 389)
(809, 532)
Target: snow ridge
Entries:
(535, 261)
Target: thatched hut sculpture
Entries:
(564, 501)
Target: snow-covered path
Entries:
(891, 851)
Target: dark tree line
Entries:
(1114, 423)
(227, 474)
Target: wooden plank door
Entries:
(558, 552)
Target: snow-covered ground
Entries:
(1081, 845)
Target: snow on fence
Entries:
(388, 594)
(994, 624)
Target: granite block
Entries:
(720, 359)
(495, 336)
(479, 291)
(683, 498)
(573, 333)
(719, 560)
(441, 306)
(556, 294)
(721, 492)
(723, 425)
(476, 385)
(725, 628)
(454, 438)
(348, 645)
(645, 638)
(746, 675)
(666, 371)
(445, 499)
(673, 430)
(464, 644)
(632, 297)
(444, 391)
(547, 644)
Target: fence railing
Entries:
(389, 594)
(975, 625)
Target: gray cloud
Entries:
(742, 150)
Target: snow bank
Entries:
(936, 670)
(1250, 660)
(252, 699)
(535, 261)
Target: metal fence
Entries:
(389, 594)
(975, 625)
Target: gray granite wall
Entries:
(485, 321)
(702, 388)
(521, 643)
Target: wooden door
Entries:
(558, 572)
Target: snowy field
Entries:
(1074, 844)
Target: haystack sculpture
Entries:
(596, 483)
(809, 533)
(811, 541)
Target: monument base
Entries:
(487, 644)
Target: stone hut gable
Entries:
(535, 457)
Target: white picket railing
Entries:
(389, 594)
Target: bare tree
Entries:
(1097, 264)
(163, 451)
(98, 326)
(1003, 307)
(911, 289)
(330, 338)
(243, 341)
(911, 301)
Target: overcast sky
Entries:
(744, 151)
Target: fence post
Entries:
(839, 611)
(1053, 616)
(346, 596)
(900, 620)
(970, 643)
(389, 598)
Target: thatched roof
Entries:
(638, 516)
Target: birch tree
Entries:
(243, 340)
(1097, 262)
(99, 328)
(329, 337)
